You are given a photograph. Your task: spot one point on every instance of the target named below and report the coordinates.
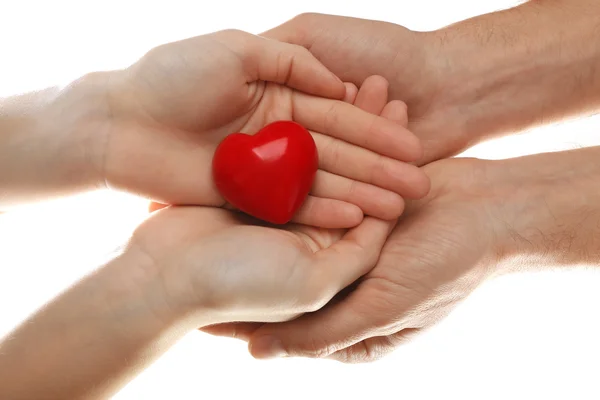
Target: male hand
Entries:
(412, 62)
(490, 75)
(482, 218)
(438, 253)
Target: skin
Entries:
(479, 78)
(177, 103)
(481, 219)
(185, 267)
(491, 75)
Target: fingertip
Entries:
(422, 185)
(266, 347)
(372, 95)
(351, 92)
(328, 85)
(397, 111)
(352, 216)
(392, 206)
(412, 147)
(328, 213)
(416, 182)
(376, 82)
(338, 88)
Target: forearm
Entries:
(549, 208)
(510, 70)
(90, 341)
(49, 142)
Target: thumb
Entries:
(319, 334)
(287, 64)
(338, 325)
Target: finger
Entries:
(328, 213)
(353, 162)
(339, 325)
(351, 92)
(372, 200)
(235, 330)
(355, 254)
(373, 94)
(351, 124)
(322, 333)
(396, 111)
(288, 64)
(374, 348)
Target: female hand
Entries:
(171, 109)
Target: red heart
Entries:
(267, 175)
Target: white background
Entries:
(520, 337)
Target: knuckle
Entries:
(331, 118)
(332, 154)
(353, 189)
(372, 131)
(380, 168)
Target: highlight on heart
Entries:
(269, 174)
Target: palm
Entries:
(435, 256)
(256, 272)
(433, 259)
(174, 111)
(179, 101)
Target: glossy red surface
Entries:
(267, 175)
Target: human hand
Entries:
(179, 101)
(412, 62)
(183, 268)
(373, 98)
(481, 218)
(437, 254)
(479, 78)
(223, 266)
(296, 244)
(441, 249)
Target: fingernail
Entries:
(267, 347)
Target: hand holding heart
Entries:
(249, 272)
(182, 99)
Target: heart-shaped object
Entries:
(267, 175)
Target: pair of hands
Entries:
(426, 252)
(179, 101)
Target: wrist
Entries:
(82, 115)
(175, 275)
(50, 141)
(511, 70)
(547, 209)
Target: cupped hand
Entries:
(419, 66)
(439, 252)
(172, 108)
(441, 249)
(225, 266)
